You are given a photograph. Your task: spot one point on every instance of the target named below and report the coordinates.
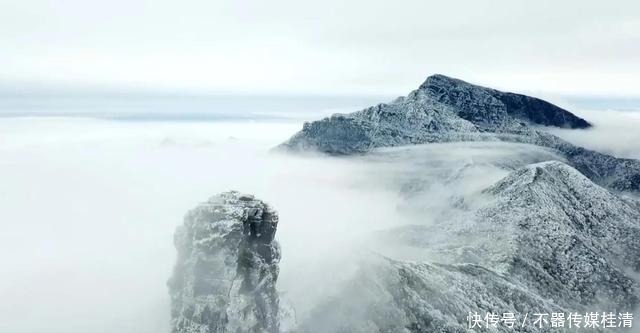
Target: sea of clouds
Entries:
(88, 207)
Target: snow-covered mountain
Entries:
(545, 231)
(444, 109)
(542, 239)
(547, 239)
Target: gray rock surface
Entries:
(483, 105)
(227, 267)
(444, 109)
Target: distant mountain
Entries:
(491, 107)
(444, 109)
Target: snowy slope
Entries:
(542, 239)
(444, 109)
(546, 240)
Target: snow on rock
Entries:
(225, 276)
(484, 105)
(545, 239)
(574, 238)
(444, 109)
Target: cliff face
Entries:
(444, 109)
(227, 267)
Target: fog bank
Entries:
(614, 132)
(88, 209)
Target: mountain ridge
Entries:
(444, 109)
(572, 253)
(537, 111)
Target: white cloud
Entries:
(88, 209)
(614, 132)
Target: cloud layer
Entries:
(88, 209)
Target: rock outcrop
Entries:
(224, 280)
(444, 109)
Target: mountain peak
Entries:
(446, 109)
(441, 79)
(480, 104)
(549, 176)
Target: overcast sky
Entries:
(323, 46)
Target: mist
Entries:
(614, 132)
(89, 207)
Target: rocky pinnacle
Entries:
(225, 276)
